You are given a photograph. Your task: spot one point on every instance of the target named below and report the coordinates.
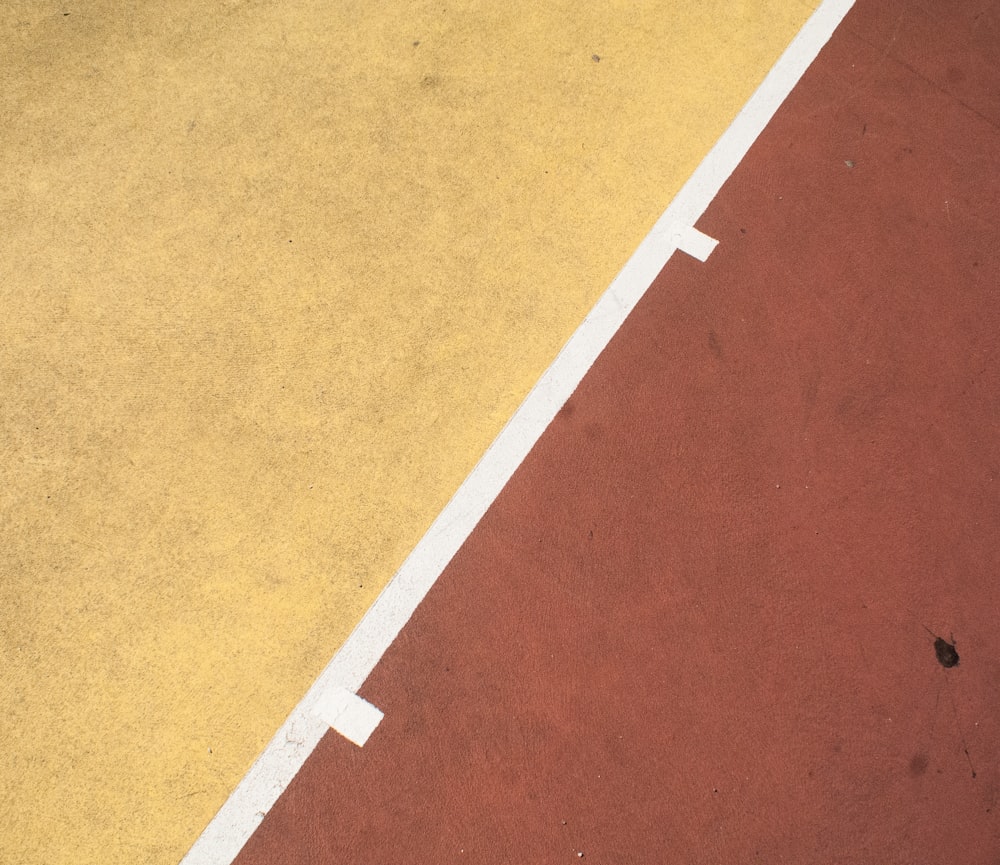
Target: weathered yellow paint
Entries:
(273, 276)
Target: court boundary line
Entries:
(235, 822)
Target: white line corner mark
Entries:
(347, 713)
(332, 701)
(695, 243)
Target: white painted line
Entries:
(235, 822)
(695, 243)
(350, 715)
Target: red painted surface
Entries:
(699, 624)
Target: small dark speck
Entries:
(945, 651)
(714, 345)
(955, 75)
(567, 411)
(65, 14)
(918, 765)
(743, 231)
(596, 58)
(415, 44)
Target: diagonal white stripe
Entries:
(235, 822)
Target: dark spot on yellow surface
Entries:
(918, 765)
(945, 652)
(430, 81)
(416, 43)
(595, 57)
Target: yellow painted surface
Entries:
(273, 275)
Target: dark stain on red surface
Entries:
(945, 652)
(567, 410)
(955, 75)
(713, 344)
